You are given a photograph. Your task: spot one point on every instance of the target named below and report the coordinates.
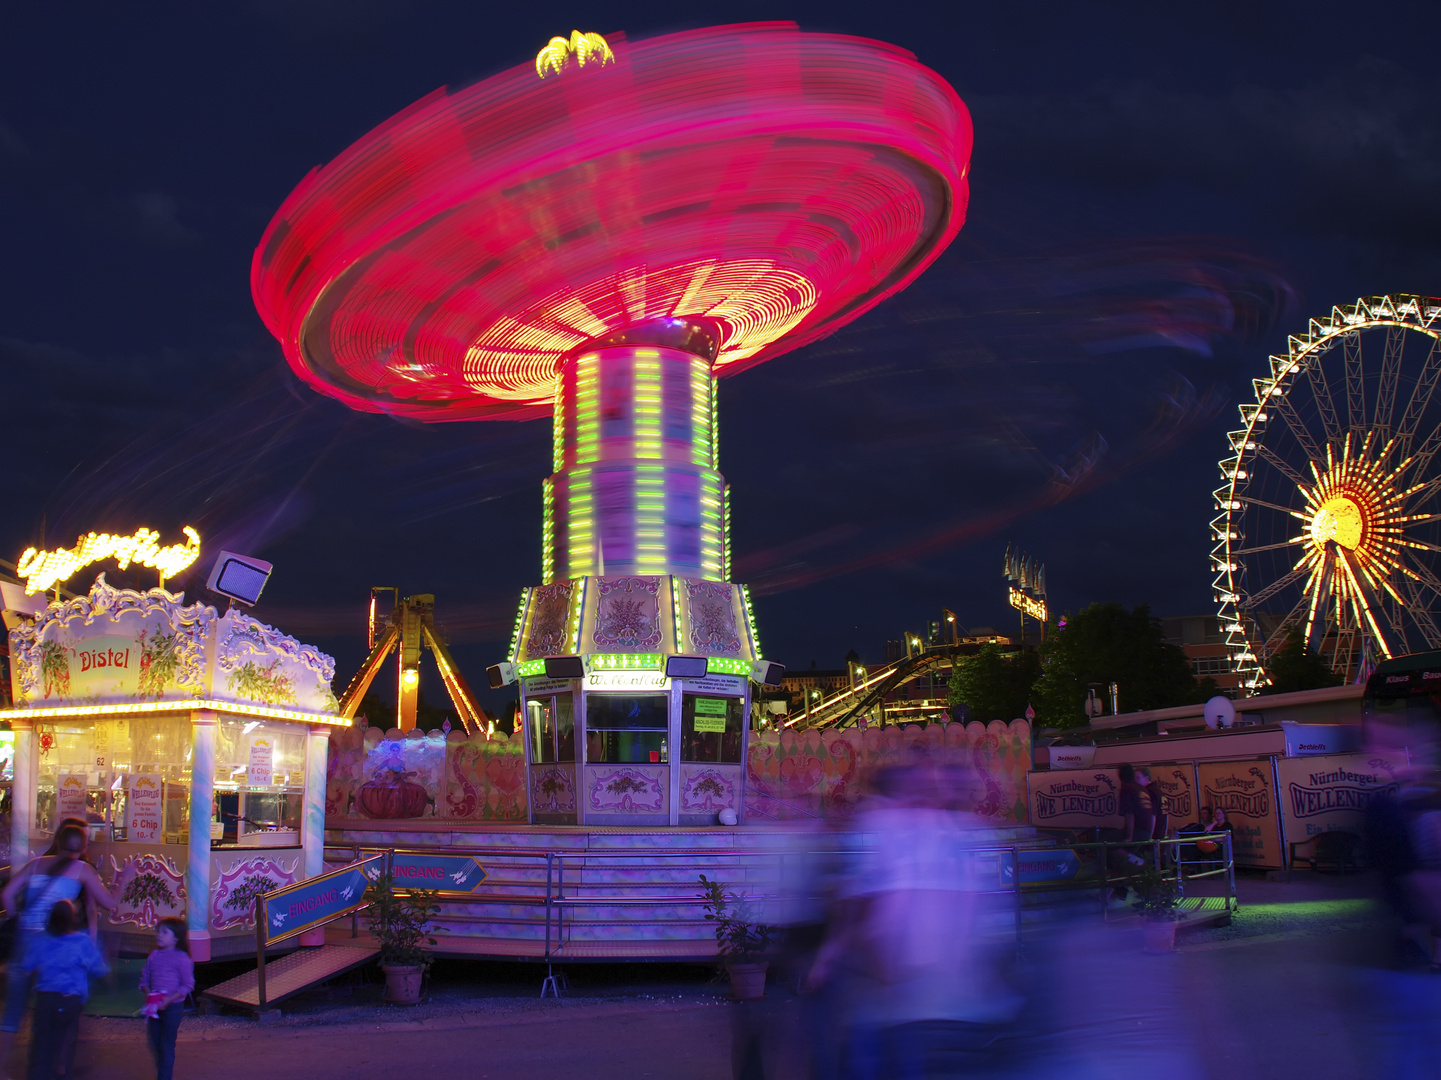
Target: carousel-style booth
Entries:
(192, 743)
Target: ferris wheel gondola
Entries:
(1330, 507)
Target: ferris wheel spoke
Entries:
(1420, 613)
(1421, 459)
(1325, 406)
(1299, 430)
(1420, 398)
(1292, 620)
(1390, 373)
(1288, 511)
(1268, 547)
(1355, 384)
(1283, 582)
(1280, 464)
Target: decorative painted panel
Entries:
(549, 629)
(627, 614)
(626, 789)
(803, 774)
(708, 789)
(149, 886)
(712, 626)
(552, 789)
(115, 646)
(111, 646)
(233, 889)
(258, 663)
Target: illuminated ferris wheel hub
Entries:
(1341, 440)
(599, 235)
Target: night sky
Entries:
(1159, 194)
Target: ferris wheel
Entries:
(1330, 509)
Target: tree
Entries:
(1105, 643)
(993, 684)
(1295, 667)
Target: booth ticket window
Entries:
(550, 728)
(126, 778)
(129, 780)
(626, 729)
(259, 783)
(710, 728)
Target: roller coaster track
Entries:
(842, 707)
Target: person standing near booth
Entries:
(43, 883)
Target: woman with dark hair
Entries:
(167, 980)
(42, 882)
(63, 960)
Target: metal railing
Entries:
(649, 877)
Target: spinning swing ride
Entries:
(1330, 511)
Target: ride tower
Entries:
(601, 236)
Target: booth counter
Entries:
(192, 744)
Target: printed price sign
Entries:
(262, 761)
(710, 714)
(143, 809)
(70, 796)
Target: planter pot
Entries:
(748, 981)
(1160, 936)
(402, 983)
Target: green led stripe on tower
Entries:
(726, 533)
(587, 412)
(714, 429)
(701, 419)
(547, 540)
(650, 535)
(580, 524)
(646, 401)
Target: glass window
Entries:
(626, 729)
(550, 728)
(540, 729)
(564, 727)
(710, 728)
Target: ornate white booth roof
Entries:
(119, 650)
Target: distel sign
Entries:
(40, 570)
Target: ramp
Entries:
(300, 970)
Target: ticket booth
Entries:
(617, 740)
(192, 744)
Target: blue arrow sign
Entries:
(1039, 867)
(447, 873)
(306, 904)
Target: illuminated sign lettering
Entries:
(40, 570)
(1028, 605)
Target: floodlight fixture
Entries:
(239, 577)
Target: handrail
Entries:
(552, 893)
(352, 900)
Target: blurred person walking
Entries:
(63, 959)
(926, 990)
(30, 896)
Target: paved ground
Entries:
(1291, 989)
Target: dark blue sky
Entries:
(1158, 196)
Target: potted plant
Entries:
(743, 944)
(400, 919)
(1156, 899)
